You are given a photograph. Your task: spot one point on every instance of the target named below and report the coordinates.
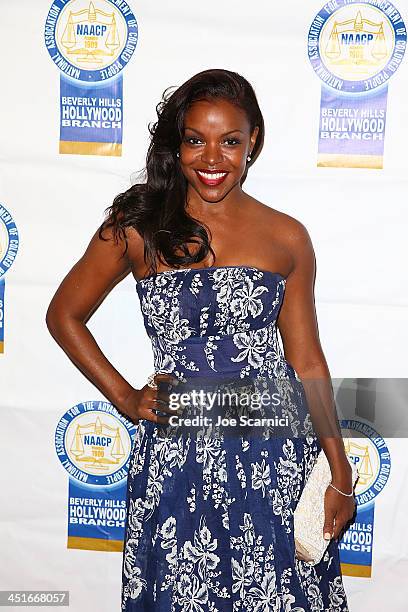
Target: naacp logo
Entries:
(371, 456)
(8, 241)
(356, 46)
(90, 41)
(93, 442)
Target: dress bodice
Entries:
(215, 319)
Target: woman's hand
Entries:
(141, 403)
(338, 509)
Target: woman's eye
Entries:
(192, 140)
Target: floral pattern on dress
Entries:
(240, 296)
(209, 523)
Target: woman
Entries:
(210, 520)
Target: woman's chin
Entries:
(213, 194)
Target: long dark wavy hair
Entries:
(156, 207)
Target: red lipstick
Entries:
(211, 178)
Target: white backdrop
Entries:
(357, 220)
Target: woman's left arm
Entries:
(298, 327)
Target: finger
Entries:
(329, 523)
(339, 528)
(165, 389)
(152, 402)
(160, 419)
(170, 405)
(157, 418)
(163, 385)
(151, 394)
(343, 523)
(165, 378)
(162, 406)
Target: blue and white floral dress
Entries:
(209, 522)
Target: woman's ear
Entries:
(254, 136)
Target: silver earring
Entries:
(249, 158)
(178, 154)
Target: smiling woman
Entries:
(217, 155)
(209, 523)
(209, 131)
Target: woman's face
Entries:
(214, 149)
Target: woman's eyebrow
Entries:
(225, 134)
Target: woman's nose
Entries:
(212, 154)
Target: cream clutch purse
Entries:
(309, 514)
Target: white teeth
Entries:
(213, 176)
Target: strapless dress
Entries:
(209, 523)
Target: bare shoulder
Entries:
(131, 247)
(135, 244)
(288, 227)
(285, 231)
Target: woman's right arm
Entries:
(81, 292)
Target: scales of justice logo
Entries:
(91, 41)
(371, 456)
(93, 442)
(356, 47)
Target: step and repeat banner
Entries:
(81, 83)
